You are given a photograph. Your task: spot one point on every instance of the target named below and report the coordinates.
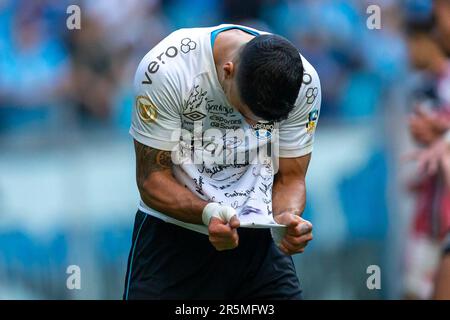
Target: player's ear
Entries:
(228, 69)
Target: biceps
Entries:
(150, 161)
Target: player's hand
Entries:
(297, 234)
(429, 159)
(424, 126)
(222, 225)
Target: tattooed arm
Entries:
(160, 190)
(288, 203)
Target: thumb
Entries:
(226, 213)
(288, 219)
(234, 222)
(306, 226)
(216, 220)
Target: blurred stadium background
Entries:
(67, 189)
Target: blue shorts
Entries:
(169, 262)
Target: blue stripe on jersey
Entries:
(216, 32)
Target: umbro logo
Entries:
(194, 115)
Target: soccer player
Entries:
(208, 100)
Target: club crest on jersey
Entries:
(312, 120)
(146, 109)
(263, 129)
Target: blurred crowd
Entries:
(52, 77)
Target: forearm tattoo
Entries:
(149, 160)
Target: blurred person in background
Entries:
(429, 121)
(93, 79)
(435, 159)
(33, 66)
(442, 279)
(100, 64)
(429, 45)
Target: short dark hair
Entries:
(269, 76)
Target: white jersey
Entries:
(177, 93)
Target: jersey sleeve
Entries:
(156, 110)
(296, 134)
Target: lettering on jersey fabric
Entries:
(146, 110)
(236, 193)
(213, 199)
(220, 122)
(215, 150)
(198, 102)
(166, 55)
(197, 98)
(220, 110)
(268, 202)
(211, 171)
(199, 185)
(263, 129)
(229, 181)
(266, 188)
(223, 117)
(265, 172)
(236, 204)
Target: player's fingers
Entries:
(221, 243)
(288, 219)
(234, 222)
(217, 222)
(224, 233)
(305, 226)
(299, 241)
(291, 248)
(231, 236)
(283, 248)
(217, 226)
(302, 228)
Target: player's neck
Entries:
(226, 47)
